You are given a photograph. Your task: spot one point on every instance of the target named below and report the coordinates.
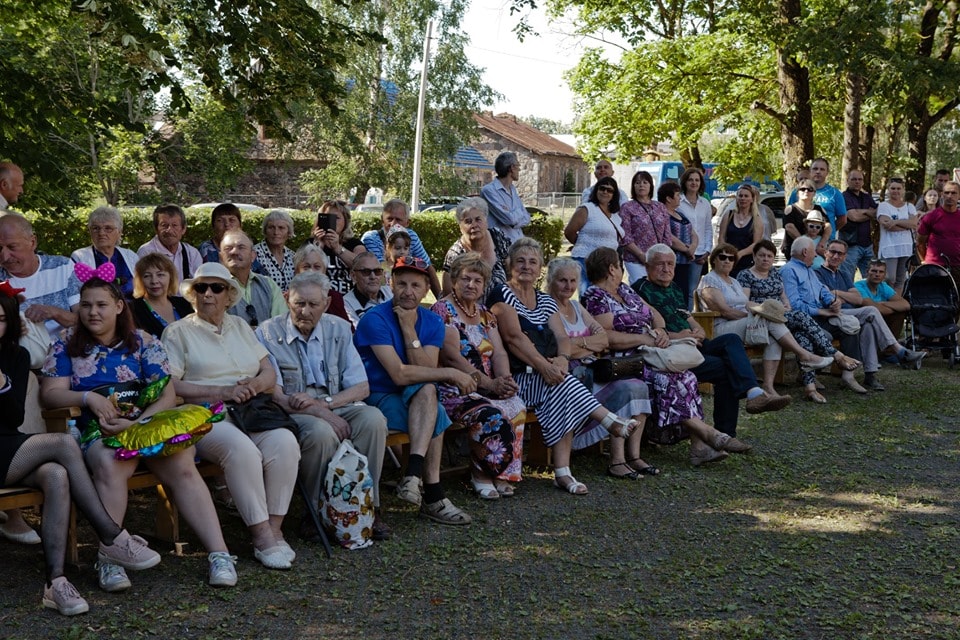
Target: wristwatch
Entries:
(329, 401)
(415, 344)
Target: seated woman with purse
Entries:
(631, 324)
(104, 358)
(719, 291)
(215, 357)
(540, 359)
(629, 397)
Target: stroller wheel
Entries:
(951, 360)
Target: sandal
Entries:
(485, 490)
(649, 470)
(618, 427)
(815, 396)
(445, 512)
(505, 489)
(574, 487)
(631, 474)
(816, 365)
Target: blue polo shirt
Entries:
(836, 281)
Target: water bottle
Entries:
(73, 430)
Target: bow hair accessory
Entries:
(9, 290)
(106, 272)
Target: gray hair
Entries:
(305, 252)
(658, 249)
(468, 204)
(560, 264)
(105, 214)
(276, 215)
(501, 166)
(800, 245)
(310, 279)
(525, 243)
(237, 232)
(396, 203)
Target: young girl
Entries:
(397, 246)
(106, 349)
(52, 463)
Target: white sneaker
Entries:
(64, 597)
(112, 577)
(130, 552)
(223, 570)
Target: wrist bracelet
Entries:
(83, 401)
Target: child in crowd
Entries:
(397, 246)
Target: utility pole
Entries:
(421, 107)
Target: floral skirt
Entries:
(495, 427)
(675, 398)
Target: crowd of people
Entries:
(335, 333)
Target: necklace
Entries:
(462, 308)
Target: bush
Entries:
(437, 229)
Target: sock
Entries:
(869, 377)
(754, 393)
(432, 493)
(415, 465)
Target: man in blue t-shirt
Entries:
(399, 343)
(827, 196)
(877, 293)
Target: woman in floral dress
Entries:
(495, 414)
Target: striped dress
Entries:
(560, 408)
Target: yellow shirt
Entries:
(200, 355)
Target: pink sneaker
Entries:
(64, 597)
(130, 552)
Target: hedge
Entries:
(437, 229)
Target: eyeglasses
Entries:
(605, 189)
(810, 225)
(837, 252)
(97, 229)
(806, 189)
(723, 257)
(369, 272)
(252, 312)
(216, 287)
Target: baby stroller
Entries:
(934, 305)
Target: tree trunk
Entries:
(918, 130)
(796, 121)
(865, 153)
(855, 90)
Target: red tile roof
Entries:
(521, 133)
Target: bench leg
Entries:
(537, 453)
(167, 518)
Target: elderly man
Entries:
(368, 292)
(400, 343)
(603, 169)
(938, 236)
(861, 212)
(170, 225)
(876, 292)
(396, 212)
(262, 298)
(828, 196)
(725, 364)
(321, 383)
(52, 290)
(11, 184)
(875, 335)
(506, 208)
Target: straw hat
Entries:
(771, 309)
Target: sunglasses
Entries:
(605, 190)
(806, 189)
(837, 252)
(252, 312)
(814, 226)
(369, 272)
(723, 257)
(216, 287)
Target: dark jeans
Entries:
(728, 368)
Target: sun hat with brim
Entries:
(411, 263)
(772, 310)
(211, 270)
(815, 216)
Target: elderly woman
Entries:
(52, 463)
(763, 282)
(216, 357)
(476, 236)
(539, 350)
(645, 223)
(155, 301)
(333, 233)
(311, 257)
(795, 219)
(105, 348)
(596, 223)
(629, 398)
(742, 228)
(630, 323)
(106, 226)
(495, 414)
(720, 292)
(275, 258)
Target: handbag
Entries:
(347, 498)
(681, 355)
(260, 413)
(756, 333)
(543, 340)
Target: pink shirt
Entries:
(644, 224)
(942, 229)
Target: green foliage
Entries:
(437, 229)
